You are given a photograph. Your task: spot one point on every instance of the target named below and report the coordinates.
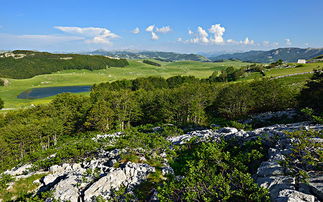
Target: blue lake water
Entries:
(36, 93)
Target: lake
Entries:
(36, 93)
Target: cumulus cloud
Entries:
(247, 41)
(136, 30)
(150, 28)
(154, 36)
(163, 29)
(93, 34)
(266, 43)
(202, 35)
(179, 39)
(190, 32)
(218, 32)
(288, 42)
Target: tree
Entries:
(234, 101)
(312, 95)
(1, 103)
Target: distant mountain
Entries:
(286, 54)
(163, 56)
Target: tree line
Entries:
(37, 63)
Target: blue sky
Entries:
(167, 25)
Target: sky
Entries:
(186, 26)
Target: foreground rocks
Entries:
(104, 175)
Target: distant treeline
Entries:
(26, 64)
(151, 63)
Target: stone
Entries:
(276, 183)
(316, 184)
(293, 195)
(227, 130)
(167, 171)
(66, 190)
(19, 171)
(268, 168)
(105, 184)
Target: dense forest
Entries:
(21, 64)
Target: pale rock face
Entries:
(293, 195)
(19, 171)
(67, 190)
(104, 185)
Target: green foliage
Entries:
(306, 154)
(21, 189)
(229, 74)
(312, 115)
(1, 103)
(208, 175)
(151, 63)
(312, 95)
(28, 66)
(4, 180)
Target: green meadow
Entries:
(136, 69)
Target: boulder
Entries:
(67, 190)
(288, 195)
(270, 168)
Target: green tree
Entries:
(1, 103)
(312, 95)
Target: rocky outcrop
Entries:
(102, 175)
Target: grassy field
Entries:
(134, 70)
(86, 77)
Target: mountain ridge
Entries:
(286, 54)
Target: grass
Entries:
(21, 188)
(136, 69)
(86, 77)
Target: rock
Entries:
(129, 175)
(227, 130)
(316, 184)
(268, 168)
(49, 179)
(105, 185)
(293, 195)
(19, 171)
(67, 190)
(56, 169)
(276, 183)
(112, 162)
(167, 171)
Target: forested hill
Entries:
(20, 64)
(163, 56)
(286, 54)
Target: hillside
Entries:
(286, 54)
(21, 64)
(163, 56)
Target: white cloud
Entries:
(163, 29)
(203, 35)
(136, 30)
(150, 28)
(276, 44)
(190, 32)
(179, 39)
(288, 42)
(95, 35)
(154, 36)
(247, 41)
(218, 32)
